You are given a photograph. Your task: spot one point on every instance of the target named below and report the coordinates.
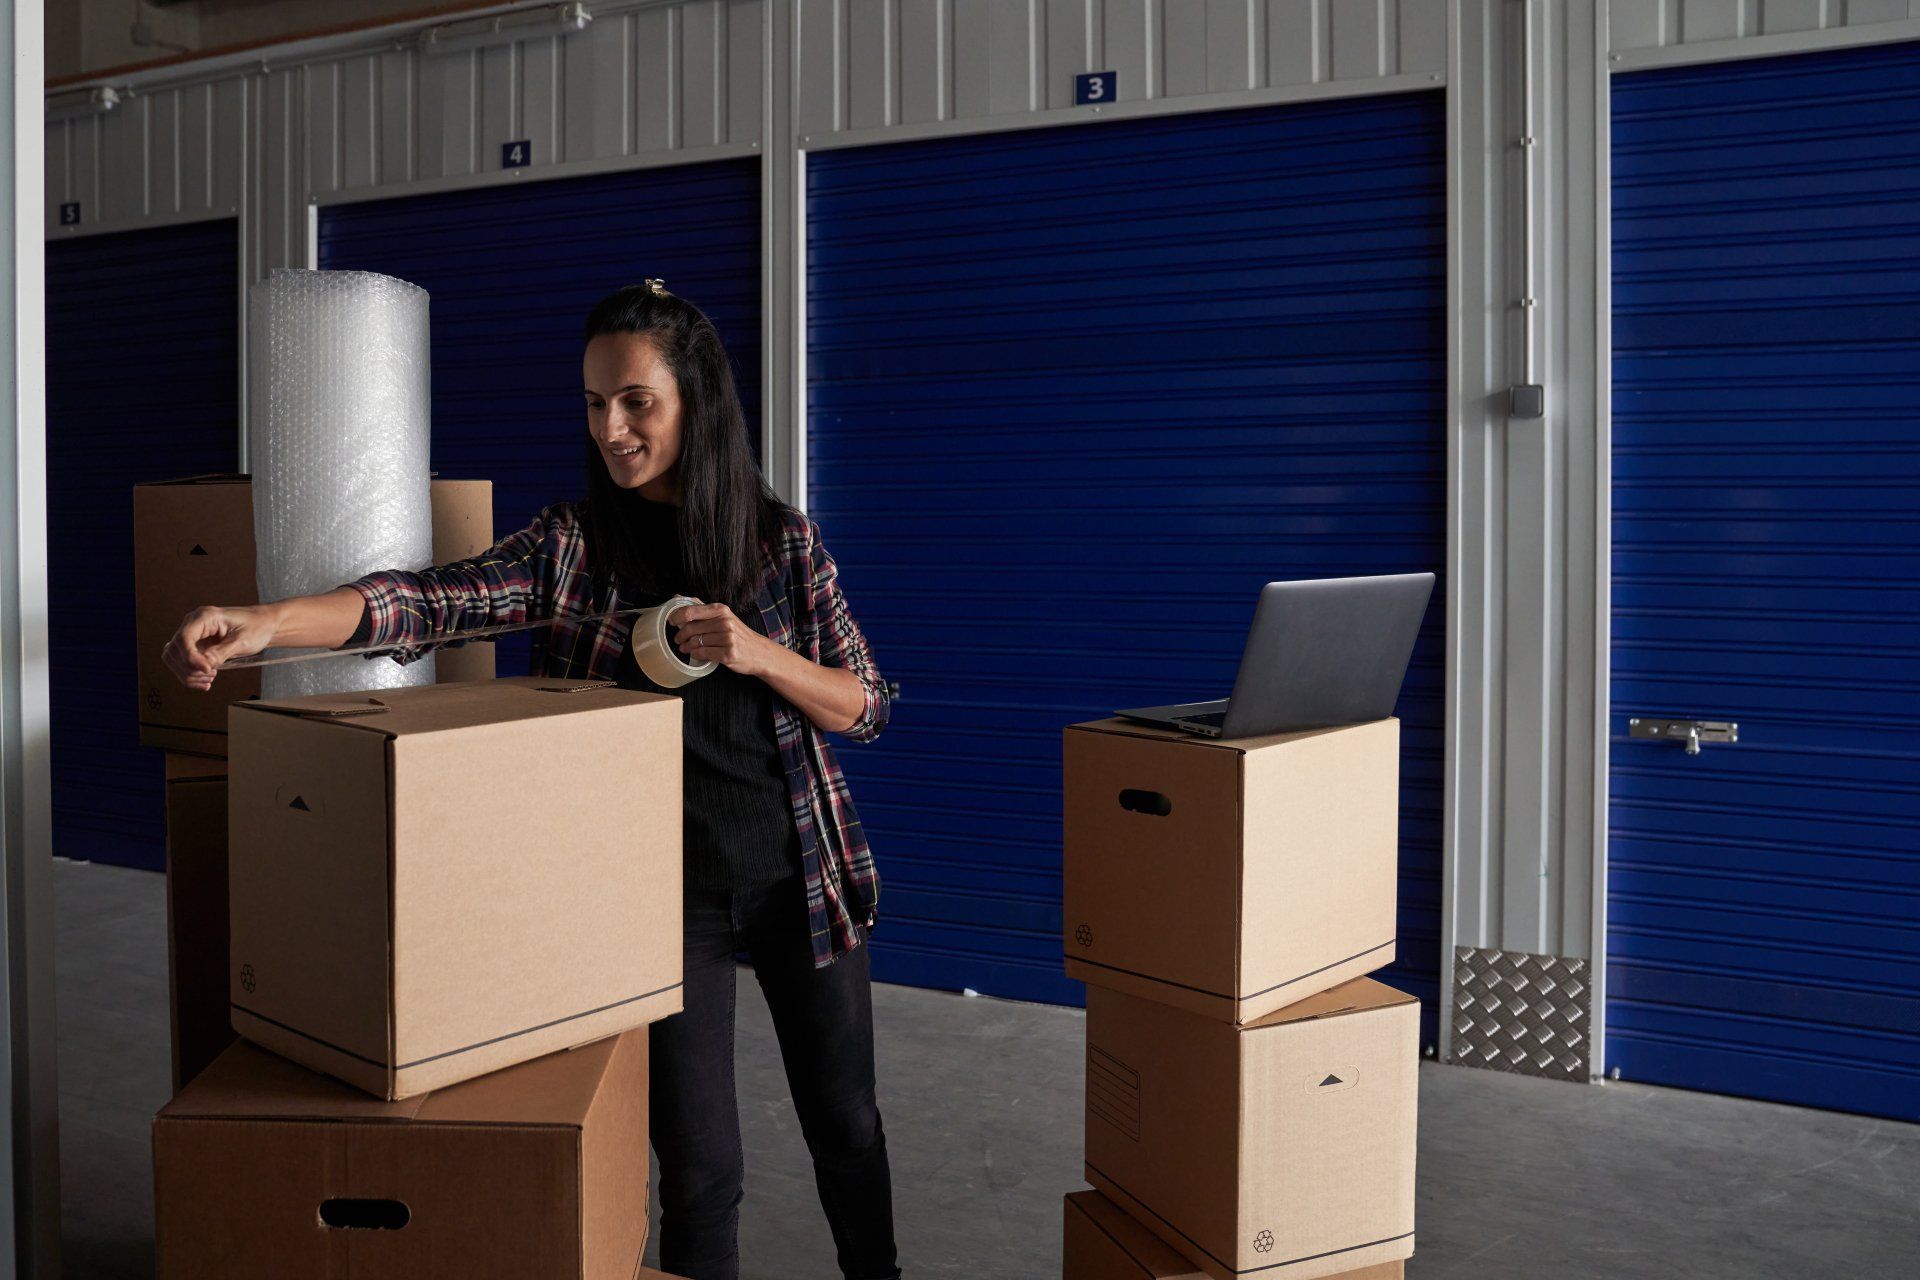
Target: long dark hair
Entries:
(726, 509)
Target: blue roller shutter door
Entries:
(513, 271)
(1764, 896)
(142, 384)
(1074, 394)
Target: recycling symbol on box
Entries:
(246, 978)
(1083, 935)
(153, 698)
(1263, 1243)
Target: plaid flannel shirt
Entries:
(540, 572)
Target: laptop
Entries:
(1322, 652)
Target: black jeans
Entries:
(824, 1020)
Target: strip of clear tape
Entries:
(279, 657)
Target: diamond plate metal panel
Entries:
(1514, 1011)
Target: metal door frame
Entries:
(30, 1209)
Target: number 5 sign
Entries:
(1095, 86)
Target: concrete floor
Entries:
(1519, 1179)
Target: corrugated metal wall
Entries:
(672, 77)
(167, 152)
(658, 78)
(871, 63)
(1764, 930)
(1057, 459)
(142, 384)
(1521, 840)
(1649, 24)
(668, 76)
(646, 78)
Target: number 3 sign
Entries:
(1095, 86)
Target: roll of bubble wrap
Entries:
(339, 442)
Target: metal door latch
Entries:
(1690, 732)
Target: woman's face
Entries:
(633, 413)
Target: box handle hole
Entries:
(1148, 802)
(355, 1214)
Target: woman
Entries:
(776, 864)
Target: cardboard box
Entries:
(1285, 1146)
(193, 545)
(262, 1168)
(197, 912)
(1229, 877)
(436, 882)
(1100, 1242)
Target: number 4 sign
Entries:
(516, 155)
(1095, 86)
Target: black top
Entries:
(737, 810)
(737, 813)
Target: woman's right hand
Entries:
(211, 635)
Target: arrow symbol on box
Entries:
(1331, 1080)
(301, 805)
(198, 550)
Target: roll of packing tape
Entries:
(653, 648)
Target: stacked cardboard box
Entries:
(193, 545)
(454, 899)
(1103, 1243)
(197, 912)
(437, 882)
(438, 895)
(1250, 1093)
(262, 1168)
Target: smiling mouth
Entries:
(625, 453)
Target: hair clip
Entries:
(658, 287)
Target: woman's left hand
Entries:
(714, 633)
